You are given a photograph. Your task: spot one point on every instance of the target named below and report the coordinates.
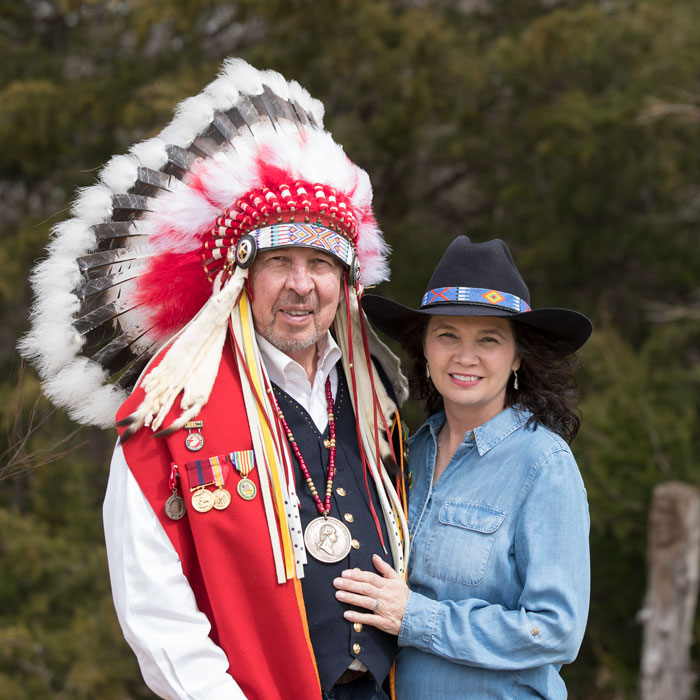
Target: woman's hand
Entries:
(384, 596)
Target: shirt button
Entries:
(341, 491)
(535, 631)
(355, 544)
(349, 517)
(356, 648)
(357, 627)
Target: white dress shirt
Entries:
(291, 377)
(154, 602)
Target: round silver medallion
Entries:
(327, 539)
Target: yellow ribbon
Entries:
(271, 453)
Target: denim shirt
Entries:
(500, 571)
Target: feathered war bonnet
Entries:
(157, 256)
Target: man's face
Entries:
(296, 292)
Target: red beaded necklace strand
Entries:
(323, 508)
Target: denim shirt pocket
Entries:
(459, 547)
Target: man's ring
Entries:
(376, 605)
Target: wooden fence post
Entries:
(672, 589)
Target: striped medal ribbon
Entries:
(244, 462)
(209, 472)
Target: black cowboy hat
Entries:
(479, 279)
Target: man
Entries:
(236, 241)
(295, 292)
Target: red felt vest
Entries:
(226, 554)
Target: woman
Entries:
(498, 579)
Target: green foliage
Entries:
(59, 637)
(567, 128)
(640, 412)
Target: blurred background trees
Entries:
(567, 128)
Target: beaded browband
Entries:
(476, 296)
(300, 214)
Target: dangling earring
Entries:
(427, 370)
(515, 379)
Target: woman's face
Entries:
(470, 360)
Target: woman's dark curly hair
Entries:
(547, 387)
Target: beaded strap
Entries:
(323, 508)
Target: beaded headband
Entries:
(303, 215)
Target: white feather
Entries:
(71, 238)
(52, 342)
(150, 153)
(120, 174)
(243, 76)
(50, 345)
(80, 388)
(231, 174)
(179, 220)
(222, 92)
(93, 204)
(193, 116)
(99, 406)
(275, 82)
(315, 107)
(59, 272)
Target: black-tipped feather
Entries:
(179, 162)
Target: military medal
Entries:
(208, 472)
(202, 499)
(246, 489)
(175, 505)
(222, 499)
(244, 462)
(326, 539)
(194, 441)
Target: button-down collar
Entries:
(486, 436)
(291, 377)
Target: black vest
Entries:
(335, 641)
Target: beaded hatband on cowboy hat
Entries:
(479, 279)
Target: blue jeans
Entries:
(361, 689)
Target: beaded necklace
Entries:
(323, 508)
(327, 539)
